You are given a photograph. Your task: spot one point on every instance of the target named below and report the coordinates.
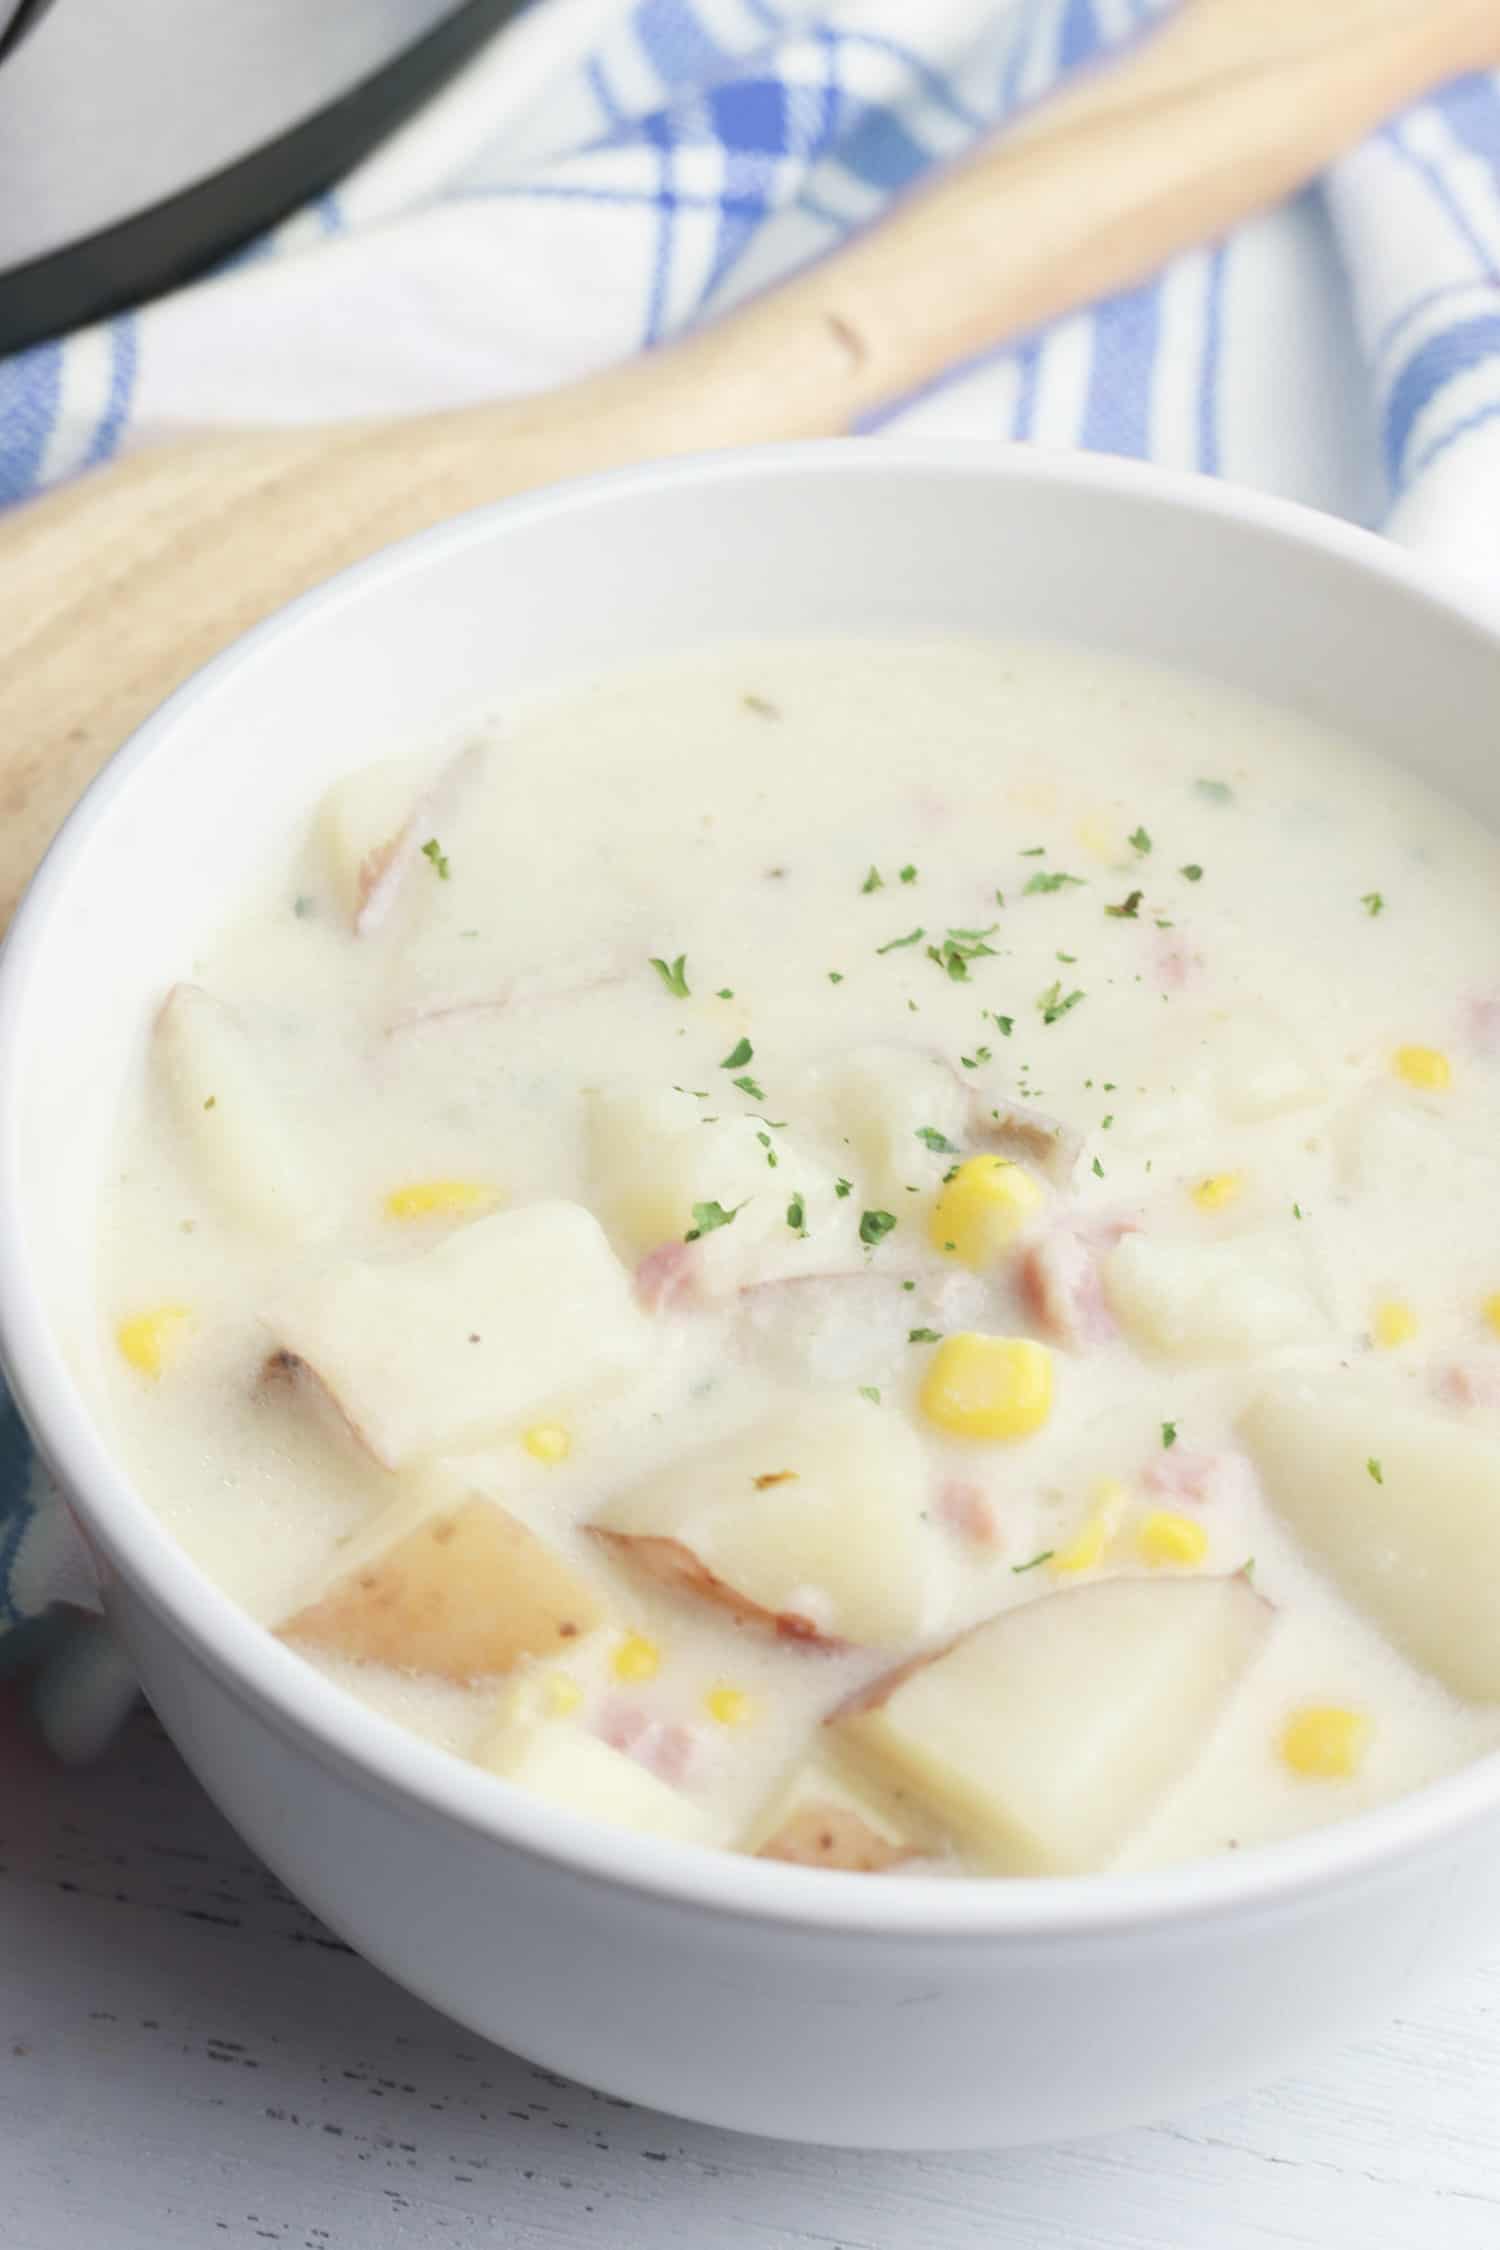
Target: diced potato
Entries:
(822, 1818)
(373, 824)
(559, 1761)
(465, 1593)
(256, 1157)
(654, 1157)
(1403, 1509)
(1044, 1737)
(498, 1321)
(1230, 1299)
(894, 1117)
(1260, 1068)
(810, 1523)
(1391, 1144)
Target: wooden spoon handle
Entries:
(116, 588)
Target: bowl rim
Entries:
(346, 1737)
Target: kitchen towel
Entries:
(609, 172)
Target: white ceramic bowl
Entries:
(897, 2012)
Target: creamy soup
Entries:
(877, 1254)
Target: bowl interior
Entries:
(519, 601)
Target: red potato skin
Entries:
(288, 1374)
(672, 1564)
(875, 1692)
(384, 870)
(828, 1835)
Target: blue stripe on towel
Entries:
(1127, 335)
(123, 361)
(1429, 371)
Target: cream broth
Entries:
(698, 1195)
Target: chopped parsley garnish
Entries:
(841, 1188)
(1216, 792)
(1296, 1210)
(748, 1086)
(972, 1062)
(1106, 1122)
(1005, 1025)
(433, 850)
(302, 906)
(1042, 881)
(709, 1217)
(959, 948)
(908, 1285)
(724, 993)
(1034, 851)
(762, 708)
(738, 1055)
(1168, 1436)
(1097, 1169)
(1373, 903)
(870, 1391)
(924, 1335)
(908, 874)
(1191, 873)
(936, 1141)
(911, 938)
(874, 881)
(212, 1102)
(1017, 1569)
(999, 898)
(1139, 841)
(1054, 1003)
(673, 975)
(835, 976)
(1128, 908)
(795, 1213)
(874, 1226)
(1375, 1469)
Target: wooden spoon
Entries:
(116, 588)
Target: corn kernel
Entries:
(730, 1706)
(440, 1199)
(561, 1694)
(549, 1442)
(988, 1386)
(1166, 1538)
(1218, 1189)
(1089, 1546)
(1490, 1311)
(636, 1658)
(981, 1210)
(1393, 1323)
(148, 1339)
(1425, 1067)
(1324, 1741)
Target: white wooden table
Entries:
(187, 2059)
